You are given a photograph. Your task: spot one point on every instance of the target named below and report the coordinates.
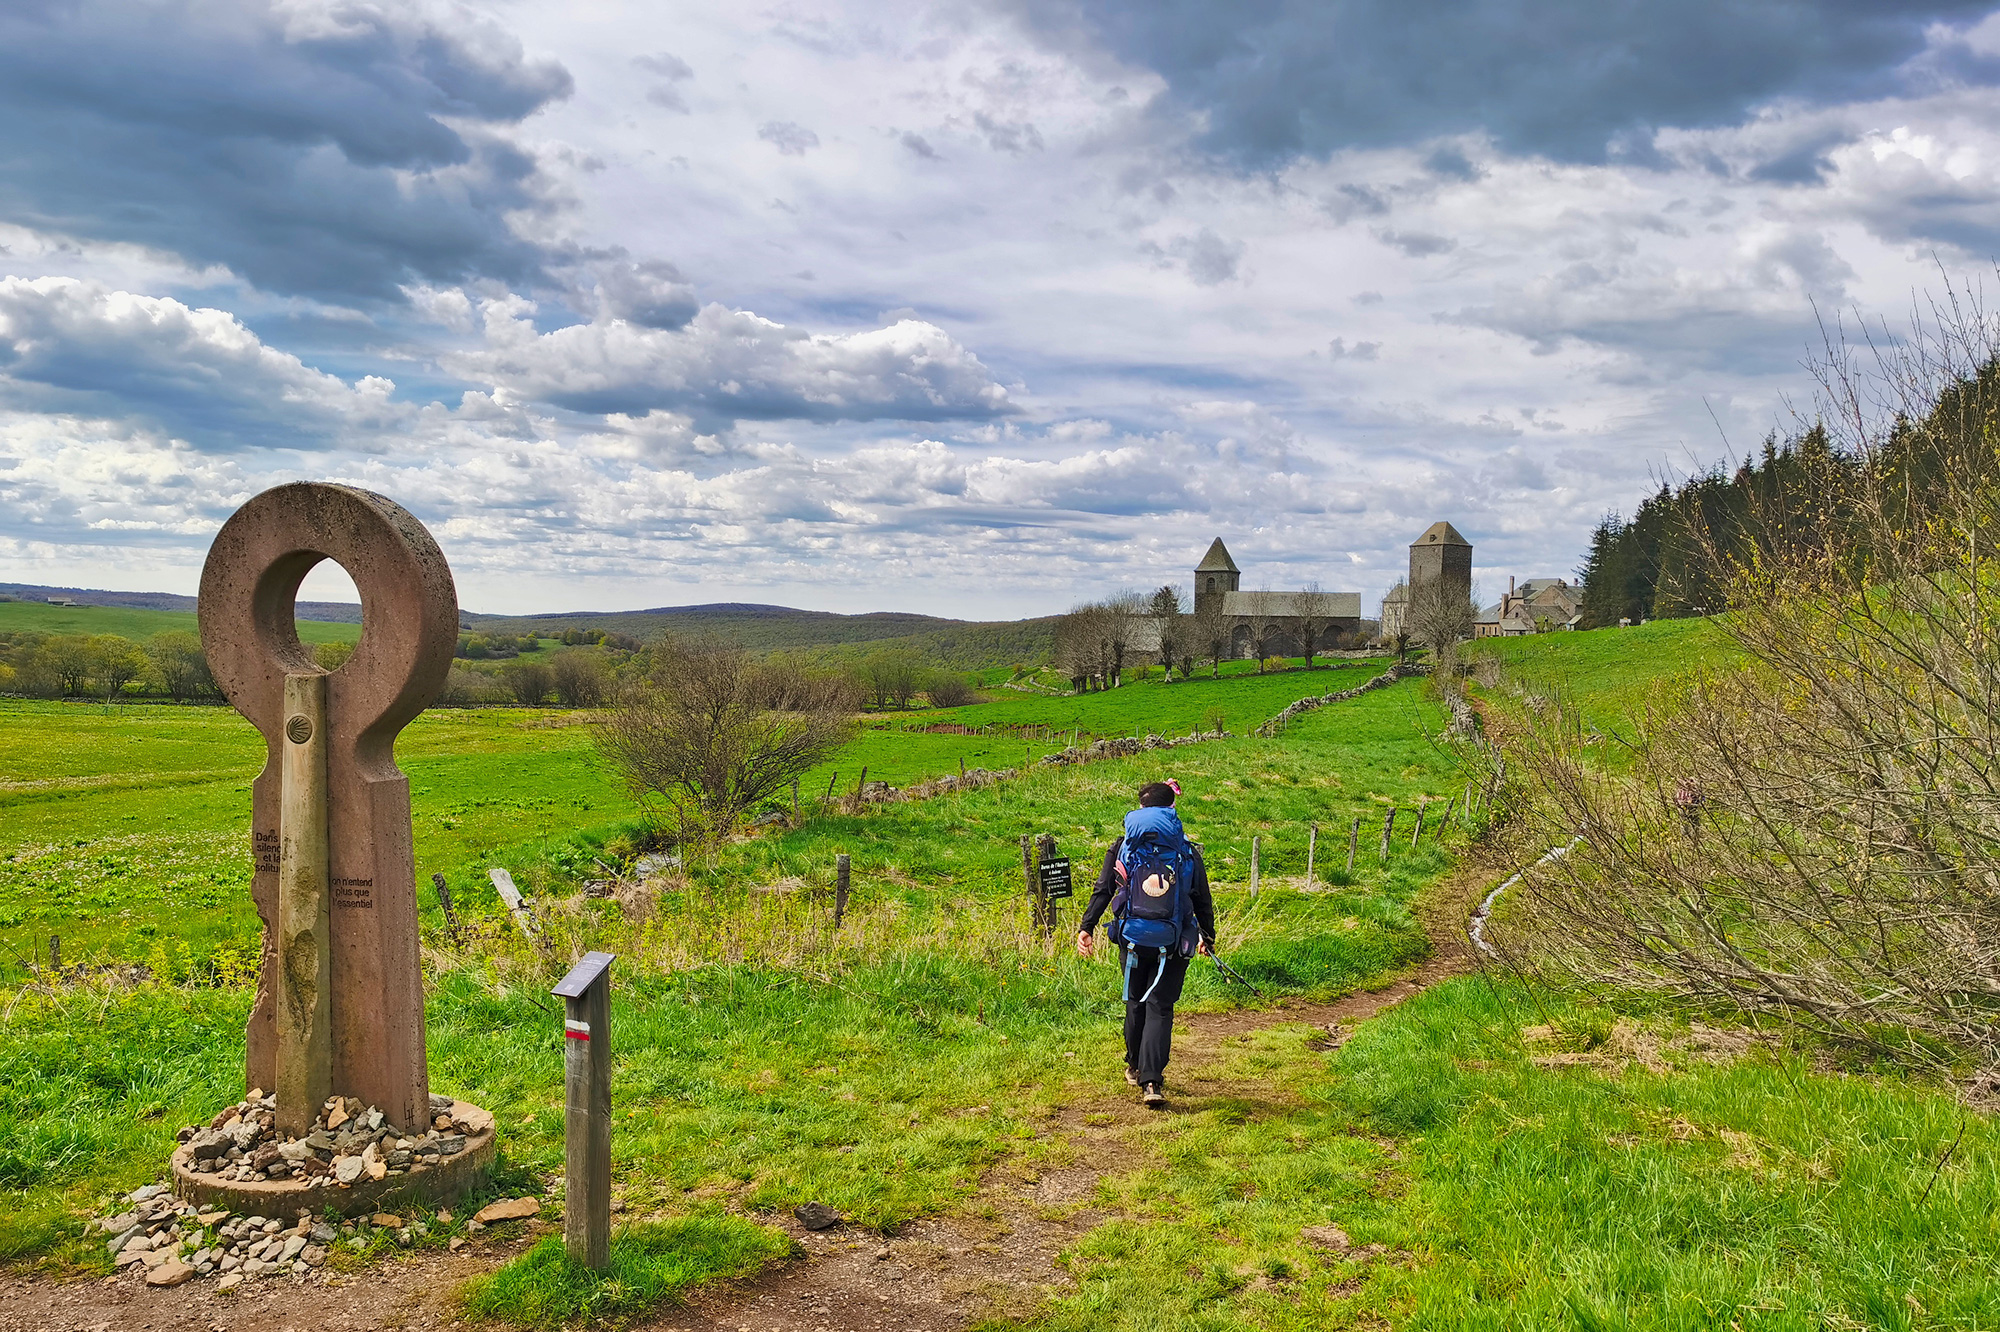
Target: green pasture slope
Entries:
(137, 625)
(1611, 673)
(1526, 1160)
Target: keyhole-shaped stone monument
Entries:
(340, 1004)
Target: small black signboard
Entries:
(1055, 878)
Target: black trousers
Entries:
(1149, 1024)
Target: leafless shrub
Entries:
(1207, 632)
(581, 678)
(946, 690)
(711, 732)
(1817, 833)
(528, 681)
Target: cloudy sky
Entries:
(969, 308)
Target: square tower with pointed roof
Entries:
(1442, 553)
(1216, 575)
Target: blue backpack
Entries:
(1152, 908)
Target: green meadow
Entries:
(41, 618)
(1523, 1159)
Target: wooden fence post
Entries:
(840, 872)
(1255, 843)
(859, 787)
(828, 798)
(444, 904)
(586, 996)
(1444, 819)
(1417, 833)
(55, 955)
(1353, 842)
(1388, 829)
(1312, 850)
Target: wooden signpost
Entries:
(1053, 880)
(586, 996)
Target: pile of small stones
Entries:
(348, 1142)
(173, 1241)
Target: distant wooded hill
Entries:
(822, 636)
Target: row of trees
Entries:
(105, 666)
(1097, 641)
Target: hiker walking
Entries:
(1156, 887)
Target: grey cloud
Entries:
(919, 145)
(727, 365)
(1340, 350)
(72, 347)
(339, 152)
(653, 295)
(788, 137)
(1351, 201)
(670, 69)
(1210, 259)
(1416, 244)
(1267, 80)
(1008, 137)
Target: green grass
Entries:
(137, 625)
(1611, 673)
(894, 747)
(1526, 1160)
(651, 1264)
(124, 827)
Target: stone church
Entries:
(1272, 624)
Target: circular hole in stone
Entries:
(327, 614)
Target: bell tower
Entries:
(1215, 575)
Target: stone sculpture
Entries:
(340, 1005)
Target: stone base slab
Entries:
(282, 1198)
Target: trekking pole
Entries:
(1228, 972)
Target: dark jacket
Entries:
(1107, 886)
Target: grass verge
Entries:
(651, 1264)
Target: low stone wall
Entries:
(1400, 671)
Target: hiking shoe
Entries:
(1131, 1078)
(1152, 1097)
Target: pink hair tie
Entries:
(1175, 785)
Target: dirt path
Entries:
(994, 1255)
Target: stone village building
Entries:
(1278, 615)
(1536, 606)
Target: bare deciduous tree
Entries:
(1439, 614)
(711, 732)
(1266, 612)
(1122, 614)
(1169, 627)
(179, 666)
(1207, 632)
(1315, 607)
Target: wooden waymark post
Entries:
(304, 1007)
(1052, 883)
(1312, 852)
(841, 866)
(586, 996)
